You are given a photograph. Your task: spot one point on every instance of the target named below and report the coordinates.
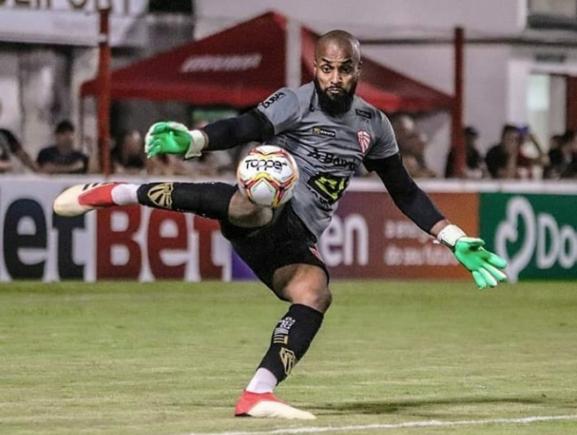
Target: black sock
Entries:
(205, 199)
(290, 339)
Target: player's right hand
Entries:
(485, 266)
(167, 138)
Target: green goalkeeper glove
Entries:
(173, 138)
(485, 266)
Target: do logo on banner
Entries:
(544, 239)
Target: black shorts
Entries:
(286, 240)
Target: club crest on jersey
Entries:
(364, 139)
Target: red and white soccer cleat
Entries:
(82, 198)
(266, 405)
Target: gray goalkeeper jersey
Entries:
(328, 149)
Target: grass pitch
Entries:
(172, 358)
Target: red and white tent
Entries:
(242, 65)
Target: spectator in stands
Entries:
(404, 127)
(9, 144)
(502, 158)
(563, 158)
(555, 142)
(62, 158)
(209, 165)
(413, 153)
(474, 162)
(128, 156)
(532, 154)
(215, 165)
(412, 144)
(506, 160)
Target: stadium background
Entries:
(519, 66)
(413, 349)
(530, 224)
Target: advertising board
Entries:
(368, 238)
(536, 233)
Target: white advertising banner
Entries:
(70, 22)
(368, 236)
(140, 243)
(34, 245)
(134, 243)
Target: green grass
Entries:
(171, 358)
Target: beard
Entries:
(338, 104)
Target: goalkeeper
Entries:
(330, 132)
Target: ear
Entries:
(359, 69)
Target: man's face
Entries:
(336, 76)
(511, 140)
(65, 140)
(133, 143)
(470, 139)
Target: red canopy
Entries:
(242, 65)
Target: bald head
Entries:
(338, 40)
(337, 70)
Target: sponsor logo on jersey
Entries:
(332, 159)
(330, 187)
(272, 99)
(319, 131)
(364, 139)
(364, 113)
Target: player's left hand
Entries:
(486, 267)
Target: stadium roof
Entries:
(244, 64)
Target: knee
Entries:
(325, 299)
(318, 298)
(243, 213)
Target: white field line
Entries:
(408, 424)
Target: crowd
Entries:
(517, 155)
(65, 156)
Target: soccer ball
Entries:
(267, 175)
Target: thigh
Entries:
(285, 241)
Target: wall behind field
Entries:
(34, 93)
(369, 17)
(9, 92)
(486, 98)
(489, 84)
